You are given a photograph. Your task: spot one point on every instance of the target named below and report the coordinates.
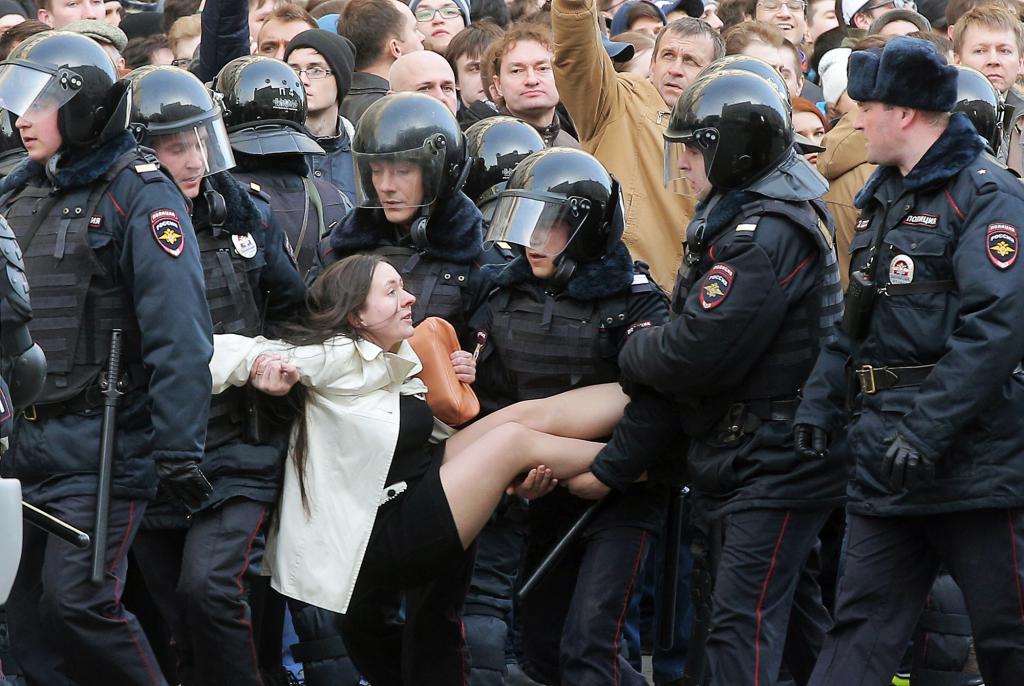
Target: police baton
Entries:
(109, 386)
(51, 525)
(666, 629)
(558, 551)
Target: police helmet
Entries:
(72, 74)
(409, 128)
(755, 66)
(737, 121)
(560, 189)
(264, 107)
(494, 146)
(170, 104)
(979, 100)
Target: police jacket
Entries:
(743, 338)
(108, 243)
(251, 286)
(951, 296)
(336, 166)
(444, 274)
(542, 341)
(307, 208)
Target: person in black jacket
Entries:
(251, 284)
(934, 337)
(751, 307)
(560, 313)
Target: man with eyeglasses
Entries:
(859, 14)
(786, 15)
(439, 21)
(323, 60)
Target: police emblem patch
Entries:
(925, 221)
(167, 231)
(862, 223)
(901, 269)
(244, 245)
(1001, 244)
(716, 286)
(95, 222)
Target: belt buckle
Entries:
(29, 413)
(866, 376)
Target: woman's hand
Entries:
(537, 484)
(587, 486)
(273, 375)
(464, 366)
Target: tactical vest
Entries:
(233, 309)
(789, 359)
(438, 285)
(557, 344)
(76, 301)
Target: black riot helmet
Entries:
(171, 106)
(12, 150)
(494, 146)
(754, 66)
(70, 73)
(979, 100)
(739, 124)
(560, 194)
(409, 128)
(264, 107)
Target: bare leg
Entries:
(474, 478)
(590, 412)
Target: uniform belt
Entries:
(89, 400)
(874, 379)
(745, 418)
(772, 410)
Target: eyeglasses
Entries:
(181, 62)
(314, 73)
(446, 12)
(774, 5)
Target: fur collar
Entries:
(74, 169)
(591, 280)
(957, 147)
(455, 231)
(722, 212)
(243, 214)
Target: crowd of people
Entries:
(733, 283)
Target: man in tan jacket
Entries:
(620, 119)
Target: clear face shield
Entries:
(688, 159)
(201, 149)
(544, 223)
(408, 178)
(32, 92)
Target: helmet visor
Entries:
(409, 178)
(688, 161)
(32, 93)
(540, 222)
(202, 148)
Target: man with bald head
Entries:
(425, 72)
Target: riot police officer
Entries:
(933, 334)
(12, 151)
(264, 110)
(559, 314)
(109, 245)
(757, 286)
(494, 147)
(251, 284)
(980, 101)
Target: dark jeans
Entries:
(321, 650)
(889, 567)
(65, 630)
(197, 577)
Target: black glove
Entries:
(905, 465)
(810, 442)
(185, 481)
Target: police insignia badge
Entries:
(901, 269)
(244, 245)
(1001, 244)
(716, 286)
(96, 222)
(167, 231)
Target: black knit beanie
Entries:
(337, 51)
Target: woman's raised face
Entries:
(545, 247)
(399, 186)
(386, 316)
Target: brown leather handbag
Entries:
(451, 401)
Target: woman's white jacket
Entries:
(352, 419)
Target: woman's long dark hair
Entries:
(332, 302)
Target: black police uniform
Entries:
(108, 244)
(938, 363)
(198, 576)
(542, 341)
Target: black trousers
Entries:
(197, 577)
(763, 564)
(65, 630)
(890, 564)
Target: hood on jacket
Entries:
(845, 150)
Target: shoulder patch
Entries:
(717, 284)
(146, 167)
(256, 190)
(167, 231)
(1001, 244)
(255, 186)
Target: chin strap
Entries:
(564, 269)
(216, 207)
